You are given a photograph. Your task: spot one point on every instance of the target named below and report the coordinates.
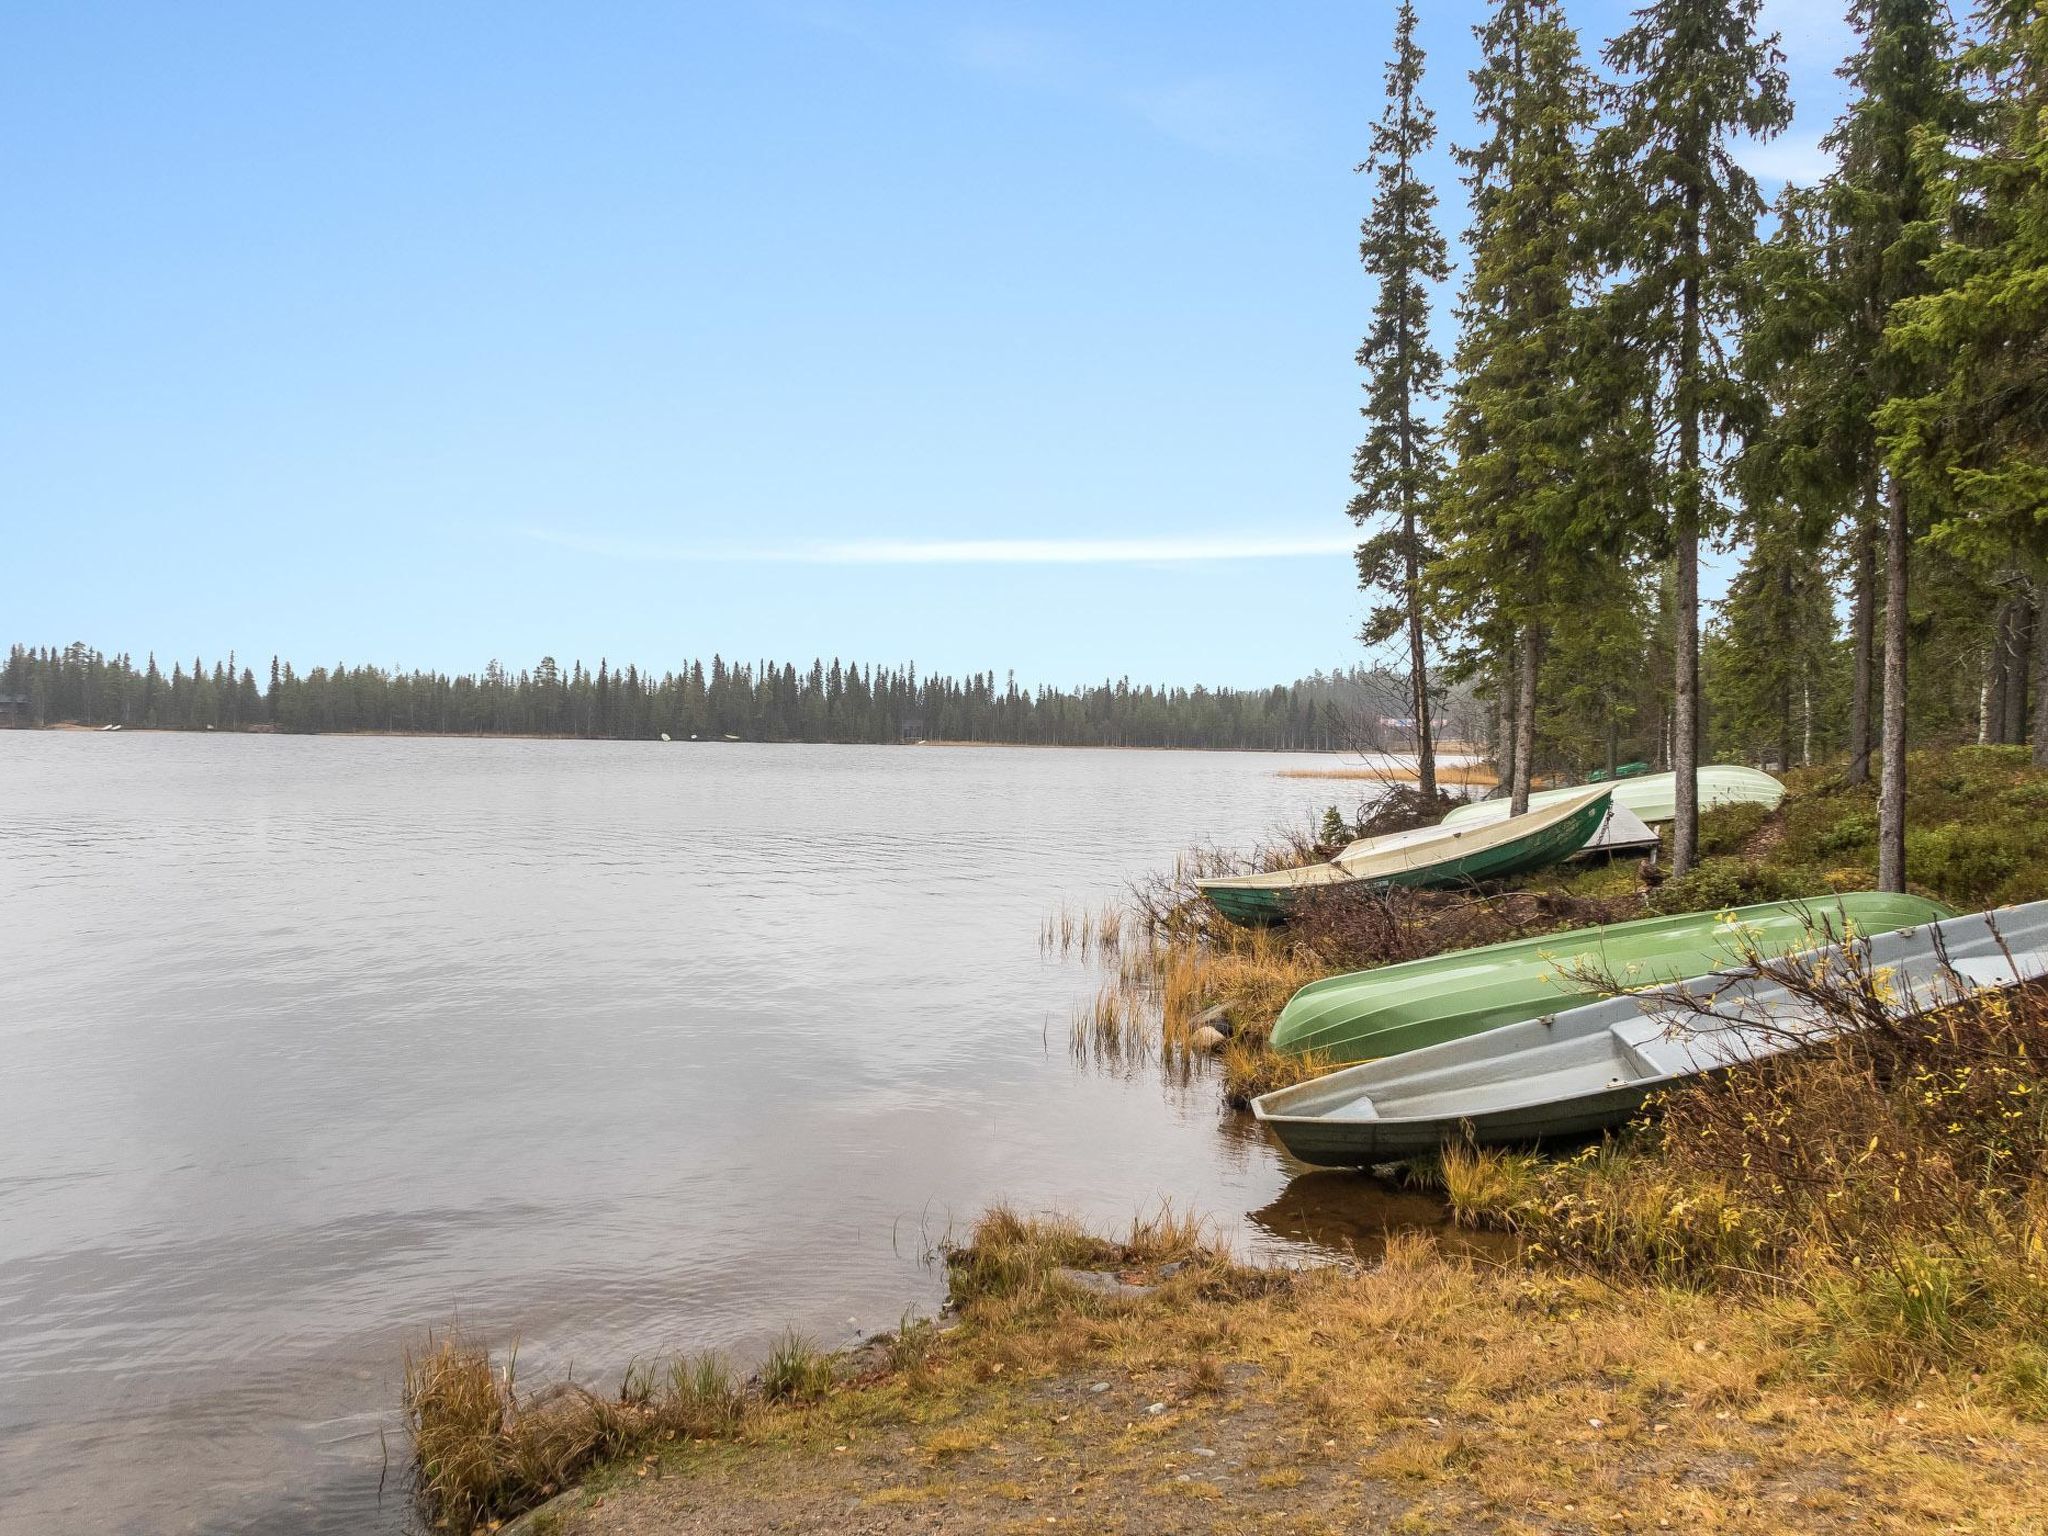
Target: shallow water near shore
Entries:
(606, 1048)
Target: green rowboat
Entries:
(1652, 796)
(1429, 857)
(1367, 1014)
(1591, 1068)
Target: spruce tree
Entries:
(1681, 224)
(1399, 468)
(1967, 428)
(1882, 202)
(1514, 517)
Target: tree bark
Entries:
(1504, 727)
(2040, 666)
(1525, 719)
(1685, 726)
(1685, 714)
(1862, 617)
(2017, 652)
(1891, 789)
(1425, 742)
(1997, 675)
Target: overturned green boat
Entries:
(1652, 796)
(1429, 857)
(1368, 1014)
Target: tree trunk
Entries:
(1425, 744)
(1504, 728)
(1785, 728)
(1613, 743)
(1891, 790)
(1685, 726)
(1525, 719)
(1997, 675)
(1685, 714)
(1862, 611)
(2040, 666)
(2016, 655)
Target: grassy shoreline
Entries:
(1814, 1297)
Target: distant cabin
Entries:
(13, 710)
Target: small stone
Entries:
(1216, 1016)
(1101, 1284)
(1203, 1450)
(1100, 1386)
(1156, 1409)
(1208, 1041)
(1596, 1423)
(1168, 1271)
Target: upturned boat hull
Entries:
(1366, 1014)
(1430, 858)
(1652, 796)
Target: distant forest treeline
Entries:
(765, 701)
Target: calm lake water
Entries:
(308, 1044)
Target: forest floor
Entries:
(1834, 1317)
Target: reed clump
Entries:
(1016, 1257)
(1252, 1067)
(1083, 931)
(483, 1450)
(795, 1371)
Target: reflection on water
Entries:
(1345, 1214)
(609, 1048)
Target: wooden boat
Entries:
(1652, 796)
(1588, 1069)
(1428, 857)
(1363, 1014)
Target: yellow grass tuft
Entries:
(1252, 1068)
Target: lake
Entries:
(307, 1044)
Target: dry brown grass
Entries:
(1896, 1178)
(1427, 1394)
(1474, 774)
(482, 1450)
(1016, 1257)
(1252, 1067)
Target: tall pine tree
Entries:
(1683, 212)
(1968, 429)
(1882, 203)
(1399, 467)
(1514, 517)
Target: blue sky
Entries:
(979, 335)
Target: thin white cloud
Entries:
(1171, 549)
(1232, 116)
(1224, 116)
(1790, 157)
